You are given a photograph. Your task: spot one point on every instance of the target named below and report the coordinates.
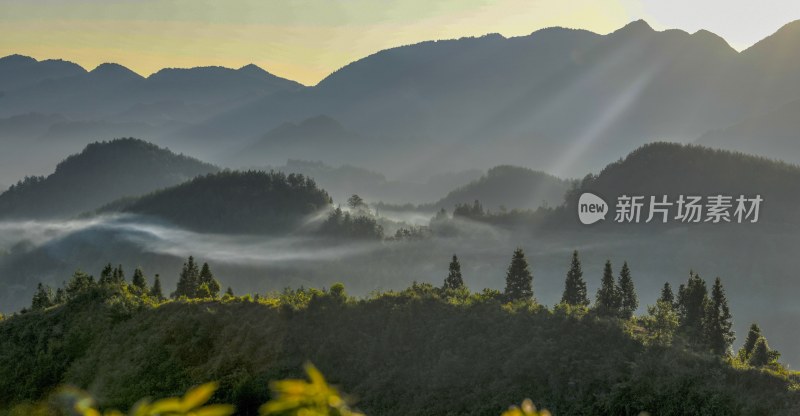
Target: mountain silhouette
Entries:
(101, 173)
(511, 187)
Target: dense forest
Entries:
(673, 169)
(425, 350)
(101, 173)
(234, 202)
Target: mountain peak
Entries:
(253, 69)
(114, 70)
(711, 38)
(637, 27)
(17, 59)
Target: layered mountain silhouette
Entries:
(65, 88)
(509, 187)
(101, 173)
(558, 100)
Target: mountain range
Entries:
(558, 100)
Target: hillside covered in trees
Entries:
(509, 187)
(673, 169)
(234, 202)
(101, 173)
(425, 350)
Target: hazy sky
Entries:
(306, 39)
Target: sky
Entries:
(305, 40)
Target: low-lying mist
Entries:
(757, 274)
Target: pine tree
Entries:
(207, 278)
(575, 286)
(667, 295)
(717, 323)
(43, 298)
(188, 282)
(79, 283)
(519, 280)
(627, 293)
(692, 299)
(138, 281)
(106, 276)
(60, 296)
(156, 291)
(454, 280)
(229, 291)
(118, 275)
(607, 299)
(749, 343)
(760, 356)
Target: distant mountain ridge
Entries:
(563, 101)
(66, 88)
(101, 173)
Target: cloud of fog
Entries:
(161, 238)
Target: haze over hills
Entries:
(559, 100)
(509, 187)
(553, 100)
(101, 173)
(773, 134)
(234, 202)
(204, 216)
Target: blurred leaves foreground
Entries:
(292, 397)
(314, 397)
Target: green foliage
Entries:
(189, 280)
(454, 280)
(138, 281)
(519, 280)
(718, 322)
(575, 286)
(608, 297)
(306, 398)
(667, 295)
(43, 298)
(345, 225)
(71, 401)
(627, 293)
(420, 351)
(80, 282)
(760, 356)
(207, 279)
(765, 356)
(156, 292)
(661, 322)
(526, 409)
(250, 202)
(692, 299)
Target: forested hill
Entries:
(421, 351)
(101, 173)
(235, 202)
(673, 169)
(511, 187)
